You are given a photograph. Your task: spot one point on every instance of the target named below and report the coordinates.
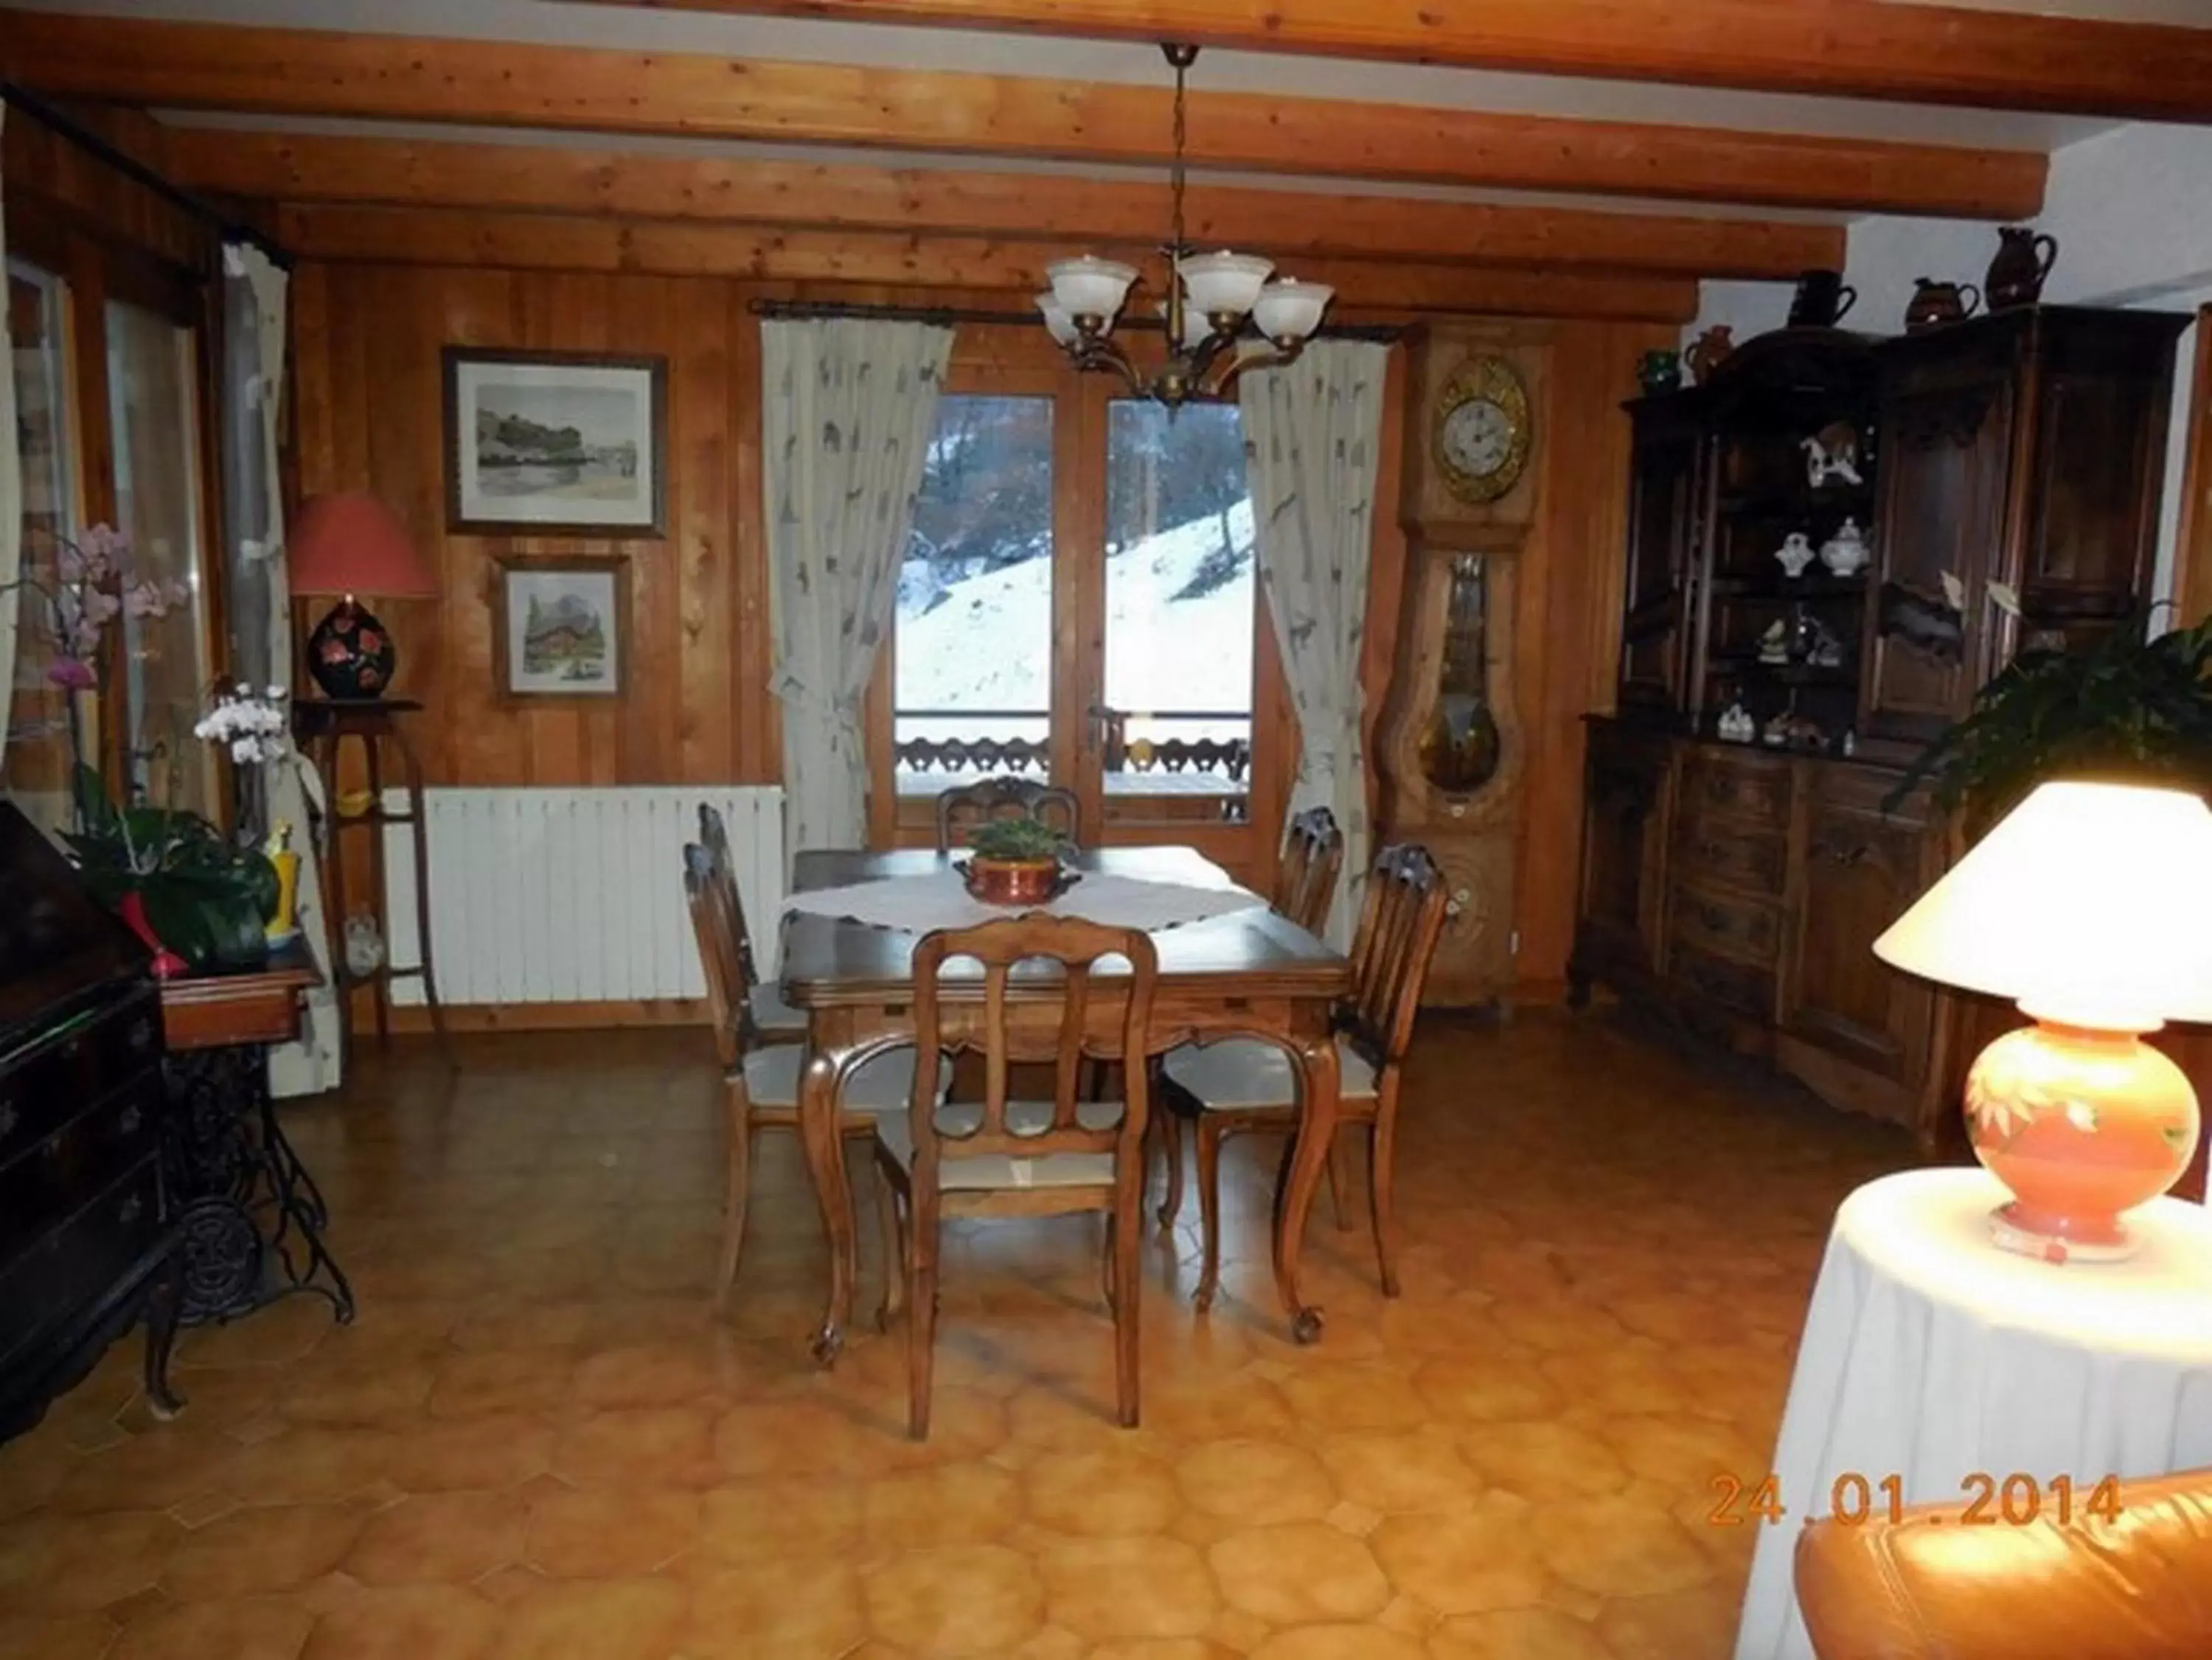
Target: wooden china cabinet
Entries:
(2007, 488)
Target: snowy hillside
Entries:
(987, 643)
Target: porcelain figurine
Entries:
(1795, 554)
(1845, 552)
(2023, 262)
(1827, 648)
(364, 945)
(1735, 724)
(1774, 643)
(1832, 453)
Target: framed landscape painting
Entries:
(563, 627)
(550, 443)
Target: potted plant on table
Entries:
(200, 901)
(1014, 862)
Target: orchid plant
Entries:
(87, 586)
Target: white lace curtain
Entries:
(1312, 434)
(256, 293)
(848, 408)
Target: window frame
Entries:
(1009, 362)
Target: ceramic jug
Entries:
(1937, 303)
(2023, 261)
(1821, 300)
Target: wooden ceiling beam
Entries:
(914, 265)
(539, 178)
(325, 72)
(1913, 53)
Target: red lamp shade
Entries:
(349, 542)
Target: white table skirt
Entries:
(1930, 1354)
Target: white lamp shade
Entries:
(1057, 322)
(1089, 286)
(1288, 309)
(2090, 904)
(1223, 284)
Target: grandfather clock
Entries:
(1450, 760)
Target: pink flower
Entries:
(72, 673)
(106, 549)
(98, 606)
(146, 599)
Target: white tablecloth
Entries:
(941, 900)
(1930, 1354)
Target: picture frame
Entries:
(555, 444)
(560, 628)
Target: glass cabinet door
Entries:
(35, 770)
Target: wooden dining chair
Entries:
(1305, 881)
(962, 809)
(1245, 1084)
(1005, 1157)
(760, 1081)
(771, 1018)
(1305, 887)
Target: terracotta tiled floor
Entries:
(538, 1441)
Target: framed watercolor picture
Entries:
(549, 443)
(563, 627)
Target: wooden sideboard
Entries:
(2008, 483)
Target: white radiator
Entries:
(573, 895)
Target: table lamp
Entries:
(343, 545)
(2090, 906)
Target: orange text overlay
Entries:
(1984, 1500)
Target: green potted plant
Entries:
(1014, 862)
(2129, 706)
(201, 902)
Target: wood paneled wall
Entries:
(369, 415)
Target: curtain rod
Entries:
(197, 207)
(947, 316)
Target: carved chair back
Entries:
(1305, 883)
(1400, 921)
(961, 809)
(714, 927)
(1030, 950)
(714, 837)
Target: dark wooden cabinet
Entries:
(2019, 501)
(86, 1248)
(1863, 862)
(2009, 481)
(1624, 820)
(1666, 501)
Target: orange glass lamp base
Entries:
(2081, 1125)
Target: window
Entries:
(35, 771)
(1078, 606)
(154, 412)
(972, 679)
(1180, 592)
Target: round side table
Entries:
(1935, 1360)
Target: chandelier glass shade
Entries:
(1223, 312)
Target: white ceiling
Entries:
(799, 40)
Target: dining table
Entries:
(1245, 972)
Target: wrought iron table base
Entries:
(251, 1218)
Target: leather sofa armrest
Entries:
(1929, 1586)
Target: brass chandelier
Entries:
(1224, 313)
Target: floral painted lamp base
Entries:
(2082, 1126)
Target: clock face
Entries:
(1477, 438)
(1480, 434)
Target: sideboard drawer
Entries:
(43, 1184)
(76, 1265)
(45, 1085)
(1749, 786)
(1712, 847)
(1728, 925)
(1740, 988)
